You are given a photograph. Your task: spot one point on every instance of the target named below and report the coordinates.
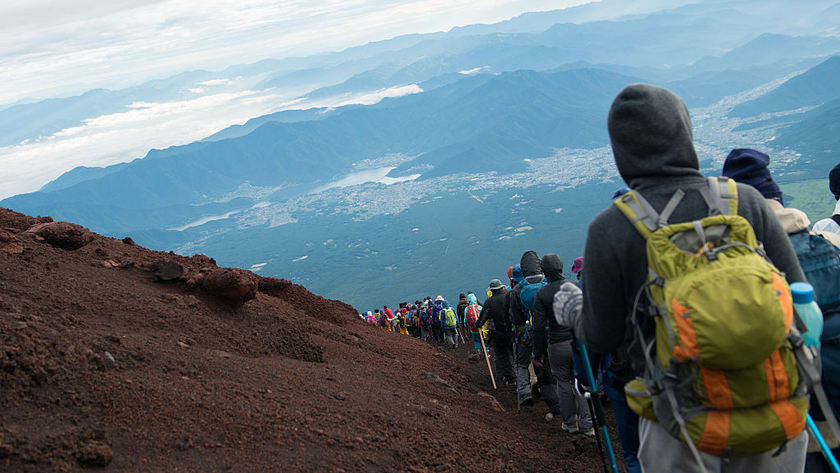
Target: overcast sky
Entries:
(65, 47)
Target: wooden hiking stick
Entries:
(487, 357)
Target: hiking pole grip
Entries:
(596, 402)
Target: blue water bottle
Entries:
(809, 312)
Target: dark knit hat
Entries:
(749, 166)
(834, 181)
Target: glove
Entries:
(581, 389)
(568, 303)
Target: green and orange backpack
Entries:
(725, 373)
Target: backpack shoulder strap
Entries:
(721, 196)
(640, 213)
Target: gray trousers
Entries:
(573, 408)
(450, 336)
(659, 451)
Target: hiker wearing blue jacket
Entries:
(652, 141)
(521, 341)
(449, 324)
(475, 331)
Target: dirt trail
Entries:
(103, 364)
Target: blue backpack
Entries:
(424, 317)
(528, 295)
(820, 261)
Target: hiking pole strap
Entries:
(826, 450)
(596, 402)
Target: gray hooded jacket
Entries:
(651, 137)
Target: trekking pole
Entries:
(599, 409)
(487, 357)
(601, 448)
(826, 450)
(458, 329)
(516, 367)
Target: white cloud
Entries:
(68, 46)
(120, 137)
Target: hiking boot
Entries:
(590, 432)
(549, 417)
(572, 429)
(528, 401)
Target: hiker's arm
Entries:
(605, 305)
(483, 316)
(539, 325)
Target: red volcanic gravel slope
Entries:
(119, 358)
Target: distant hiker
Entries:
(495, 310)
(449, 323)
(425, 321)
(651, 137)
(529, 278)
(553, 349)
(471, 315)
(392, 321)
(599, 363)
(832, 224)
(382, 320)
(436, 311)
(414, 319)
(370, 318)
(403, 315)
(459, 309)
(819, 258)
(577, 267)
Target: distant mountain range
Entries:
(480, 123)
(501, 146)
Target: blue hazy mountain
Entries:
(481, 122)
(814, 87)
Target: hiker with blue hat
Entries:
(625, 285)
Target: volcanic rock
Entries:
(62, 234)
(233, 285)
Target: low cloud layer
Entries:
(120, 137)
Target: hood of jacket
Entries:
(651, 137)
(530, 264)
(471, 299)
(552, 267)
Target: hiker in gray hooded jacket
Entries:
(651, 136)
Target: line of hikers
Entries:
(433, 320)
(709, 310)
